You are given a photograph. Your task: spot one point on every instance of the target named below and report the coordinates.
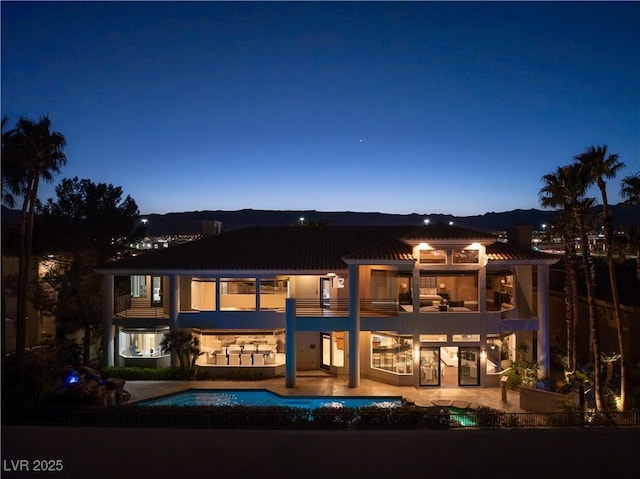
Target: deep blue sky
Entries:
(455, 107)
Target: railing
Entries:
(124, 307)
(340, 307)
(326, 418)
(122, 303)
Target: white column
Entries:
(290, 339)
(543, 320)
(108, 356)
(354, 326)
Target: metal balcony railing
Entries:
(124, 307)
(340, 307)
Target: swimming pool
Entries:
(264, 397)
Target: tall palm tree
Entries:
(34, 153)
(565, 188)
(564, 225)
(600, 165)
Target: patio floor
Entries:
(320, 384)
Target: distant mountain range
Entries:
(190, 222)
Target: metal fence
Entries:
(326, 418)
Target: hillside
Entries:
(189, 222)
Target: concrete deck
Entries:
(321, 384)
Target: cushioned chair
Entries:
(245, 359)
(258, 359)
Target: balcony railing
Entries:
(337, 307)
(124, 307)
(340, 307)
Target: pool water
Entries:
(264, 397)
(461, 416)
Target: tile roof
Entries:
(298, 248)
(500, 251)
(443, 231)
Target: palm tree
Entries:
(630, 189)
(565, 188)
(33, 152)
(186, 346)
(598, 165)
(565, 226)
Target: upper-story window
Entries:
(433, 256)
(465, 256)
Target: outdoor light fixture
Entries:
(426, 221)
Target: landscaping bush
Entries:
(142, 374)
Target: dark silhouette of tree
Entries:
(185, 346)
(630, 189)
(599, 165)
(565, 189)
(84, 222)
(31, 152)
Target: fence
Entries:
(325, 418)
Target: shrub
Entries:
(142, 374)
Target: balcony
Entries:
(127, 307)
(305, 307)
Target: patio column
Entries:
(108, 357)
(290, 348)
(542, 277)
(174, 308)
(174, 300)
(415, 290)
(354, 326)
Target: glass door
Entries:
(469, 366)
(325, 341)
(325, 293)
(430, 366)
(156, 285)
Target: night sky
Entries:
(423, 107)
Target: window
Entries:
(241, 348)
(392, 353)
(499, 290)
(138, 286)
(273, 293)
(433, 256)
(445, 291)
(140, 343)
(203, 294)
(465, 256)
(237, 294)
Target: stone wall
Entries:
(538, 400)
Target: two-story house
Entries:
(431, 305)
